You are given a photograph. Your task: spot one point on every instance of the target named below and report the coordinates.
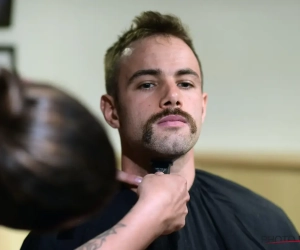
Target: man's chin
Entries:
(167, 149)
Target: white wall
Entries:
(249, 50)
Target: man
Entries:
(155, 99)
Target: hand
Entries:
(128, 178)
(166, 196)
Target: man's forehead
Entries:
(150, 54)
(165, 54)
(145, 44)
(127, 52)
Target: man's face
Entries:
(161, 105)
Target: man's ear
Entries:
(109, 111)
(204, 106)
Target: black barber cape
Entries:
(222, 216)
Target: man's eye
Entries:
(185, 85)
(146, 85)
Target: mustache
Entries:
(156, 117)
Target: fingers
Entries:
(159, 173)
(128, 178)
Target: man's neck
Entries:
(184, 166)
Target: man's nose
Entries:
(171, 96)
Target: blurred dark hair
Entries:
(56, 161)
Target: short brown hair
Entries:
(147, 24)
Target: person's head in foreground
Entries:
(56, 161)
(154, 86)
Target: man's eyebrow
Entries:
(187, 71)
(143, 72)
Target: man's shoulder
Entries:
(233, 192)
(243, 202)
(227, 187)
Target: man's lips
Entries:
(172, 119)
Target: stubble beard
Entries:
(171, 142)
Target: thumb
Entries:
(128, 178)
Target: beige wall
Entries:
(11, 239)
